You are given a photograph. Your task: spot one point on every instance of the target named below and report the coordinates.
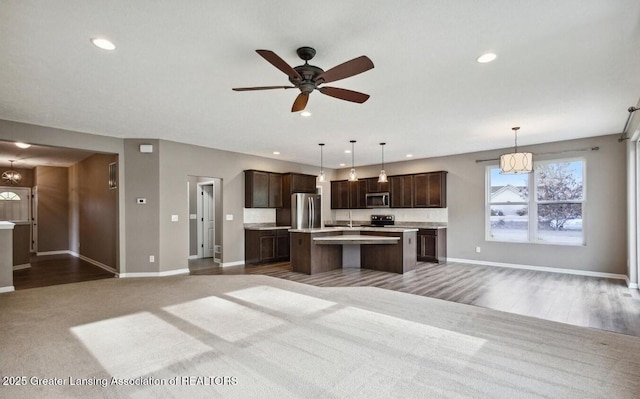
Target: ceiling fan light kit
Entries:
(516, 162)
(308, 78)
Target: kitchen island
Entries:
(387, 249)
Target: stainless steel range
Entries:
(382, 220)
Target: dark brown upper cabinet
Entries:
(358, 194)
(300, 183)
(374, 187)
(340, 194)
(430, 190)
(401, 191)
(262, 189)
(421, 190)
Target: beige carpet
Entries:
(262, 337)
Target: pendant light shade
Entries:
(11, 176)
(321, 177)
(516, 162)
(352, 172)
(382, 177)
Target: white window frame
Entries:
(25, 200)
(532, 205)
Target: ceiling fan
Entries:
(307, 77)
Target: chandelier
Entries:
(11, 176)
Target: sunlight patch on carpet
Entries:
(137, 344)
(402, 335)
(225, 319)
(291, 303)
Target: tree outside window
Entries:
(554, 214)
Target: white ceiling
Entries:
(565, 69)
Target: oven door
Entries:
(377, 200)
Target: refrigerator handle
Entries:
(309, 218)
(313, 212)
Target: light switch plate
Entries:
(229, 217)
(174, 218)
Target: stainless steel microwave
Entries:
(377, 200)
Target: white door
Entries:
(208, 220)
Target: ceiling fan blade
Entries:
(300, 103)
(262, 88)
(344, 94)
(279, 63)
(347, 69)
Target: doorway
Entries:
(205, 227)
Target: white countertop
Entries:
(359, 228)
(355, 239)
(6, 225)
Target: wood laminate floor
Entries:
(579, 300)
(57, 269)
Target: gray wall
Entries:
(42, 135)
(53, 208)
(98, 210)
(605, 210)
(142, 180)
(6, 258)
(177, 162)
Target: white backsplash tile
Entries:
(257, 215)
(440, 215)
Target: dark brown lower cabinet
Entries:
(261, 246)
(432, 245)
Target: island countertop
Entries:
(264, 226)
(355, 229)
(355, 239)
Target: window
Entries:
(542, 207)
(9, 196)
(14, 204)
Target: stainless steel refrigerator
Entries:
(306, 211)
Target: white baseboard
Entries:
(541, 268)
(63, 252)
(96, 263)
(154, 274)
(10, 288)
(633, 286)
(192, 257)
(238, 263)
(22, 266)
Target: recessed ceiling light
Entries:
(276, 153)
(342, 164)
(23, 145)
(488, 57)
(305, 113)
(103, 43)
(347, 151)
(409, 155)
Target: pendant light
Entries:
(321, 177)
(516, 162)
(352, 173)
(11, 176)
(382, 177)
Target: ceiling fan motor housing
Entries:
(309, 74)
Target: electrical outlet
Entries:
(229, 217)
(477, 250)
(152, 258)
